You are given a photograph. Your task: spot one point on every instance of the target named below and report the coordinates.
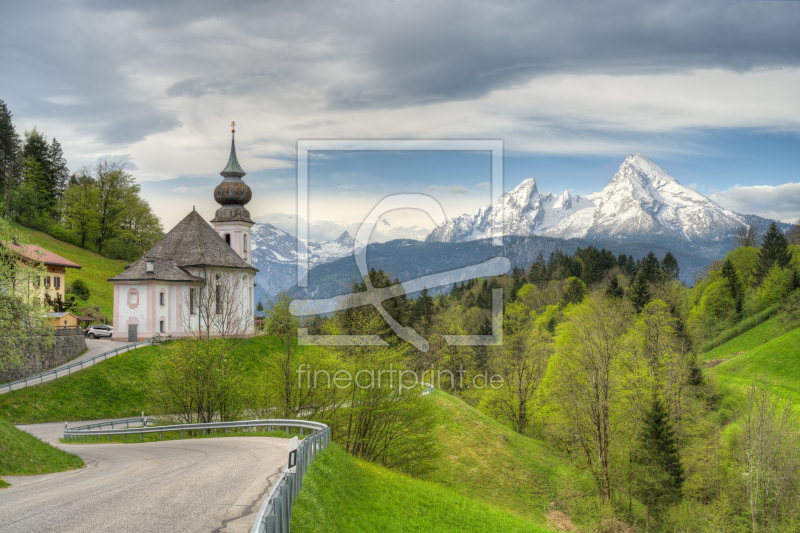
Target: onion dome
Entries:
(233, 193)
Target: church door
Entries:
(133, 332)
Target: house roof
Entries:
(39, 254)
(191, 243)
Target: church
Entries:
(198, 280)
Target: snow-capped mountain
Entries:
(641, 203)
(274, 254)
(525, 212)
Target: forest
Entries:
(600, 359)
(97, 207)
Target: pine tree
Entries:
(774, 250)
(614, 290)
(734, 283)
(651, 267)
(640, 292)
(574, 292)
(670, 266)
(9, 158)
(659, 473)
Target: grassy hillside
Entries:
(764, 332)
(114, 388)
(95, 270)
(778, 359)
(341, 493)
(23, 454)
(521, 475)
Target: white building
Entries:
(197, 277)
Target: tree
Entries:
(80, 208)
(769, 453)
(9, 158)
(53, 175)
(522, 361)
(734, 284)
(584, 381)
(24, 331)
(746, 236)
(139, 229)
(574, 292)
(640, 291)
(80, 289)
(614, 290)
(793, 235)
(651, 269)
(199, 382)
(659, 474)
(670, 267)
(282, 324)
(59, 305)
(112, 187)
(774, 250)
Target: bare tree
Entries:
(746, 236)
(769, 449)
(793, 235)
(218, 306)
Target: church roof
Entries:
(191, 243)
(233, 169)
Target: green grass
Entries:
(520, 475)
(743, 326)
(343, 494)
(778, 359)
(23, 454)
(763, 333)
(114, 388)
(95, 271)
(111, 389)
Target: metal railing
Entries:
(276, 511)
(67, 370)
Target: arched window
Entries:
(228, 239)
(244, 246)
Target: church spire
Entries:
(233, 169)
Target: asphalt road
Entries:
(190, 485)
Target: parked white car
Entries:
(96, 331)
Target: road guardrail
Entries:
(276, 511)
(38, 379)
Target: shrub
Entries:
(79, 289)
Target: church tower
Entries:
(232, 220)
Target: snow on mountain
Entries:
(642, 202)
(525, 212)
(274, 254)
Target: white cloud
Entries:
(180, 189)
(483, 185)
(781, 202)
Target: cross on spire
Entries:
(233, 127)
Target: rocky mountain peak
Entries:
(564, 201)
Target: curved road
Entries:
(203, 485)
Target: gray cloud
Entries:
(453, 190)
(781, 202)
(118, 57)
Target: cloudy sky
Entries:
(707, 89)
